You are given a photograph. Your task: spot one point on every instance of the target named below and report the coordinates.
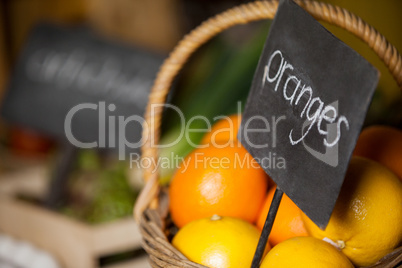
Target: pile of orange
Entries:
(221, 179)
(220, 197)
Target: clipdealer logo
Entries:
(112, 135)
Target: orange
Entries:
(218, 242)
(288, 222)
(224, 181)
(305, 252)
(223, 131)
(366, 222)
(382, 144)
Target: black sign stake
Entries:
(56, 195)
(266, 230)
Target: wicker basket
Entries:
(151, 210)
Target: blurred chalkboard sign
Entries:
(74, 85)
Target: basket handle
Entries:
(242, 14)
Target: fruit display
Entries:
(220, 210)
(359, 232)
(314, 178)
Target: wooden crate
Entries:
(73, 243)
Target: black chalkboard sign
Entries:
(306, 107)
(74, 85)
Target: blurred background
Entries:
(101, 190)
